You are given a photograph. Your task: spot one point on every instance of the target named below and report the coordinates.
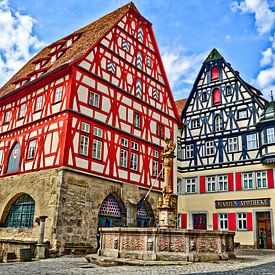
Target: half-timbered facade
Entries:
(223, 177)
(82, 128)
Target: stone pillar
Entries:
(166, 206)
(40, 247)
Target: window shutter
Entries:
(230, 182)
(270, 178)
(215, 221)
(249, 221)
(238, 181)
(202, 184)
(232, 221)
(184, 221)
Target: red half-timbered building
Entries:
(82, 128)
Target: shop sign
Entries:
(243, 203)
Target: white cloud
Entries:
(181, 69)
(17, 41)
(228, 37)
(264, 21)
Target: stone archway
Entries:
(145, 215)
(112, 212)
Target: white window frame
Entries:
(94, 99)
(233, 145)
(251, 141)
(191, 185)
(222, 182)
(134, 161)
(189, 151)
(58, 94)
(210, 148)
(31, 149)
(261, 179)
(97, 149)
(98, 132)
(85, 127)
(22, 110)
(242, 114)
(211, 184)
(38, 104)
(155, 154)
(84, 145)
(270, 136)
(195, 123)
(155, 168)
(137, 120)
(241, 221)
(218, 123)
(134, 145)
(247, 181)
(179, 182)
(7, 117)
(223, 221)
(124, 158)
(124, 142)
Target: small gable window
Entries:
(22, 111)
(58, 94)
(38, 105)
(214, 73)
(204, 96)
(228, 90)
(216, 97)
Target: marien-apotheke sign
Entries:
(243, 203)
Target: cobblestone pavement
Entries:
(247, 262)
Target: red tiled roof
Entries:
(180, 104)
(89, 35)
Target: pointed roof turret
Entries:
(269, 111)
(214, 55)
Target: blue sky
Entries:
(186, 30)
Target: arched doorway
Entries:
(145, 215)
(112, 212)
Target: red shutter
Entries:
(214, 73)
(215, 221)
(230, 182)
(232, 221)
(184, 221)
(216, 97)
(202, 184)
(270, 178)
(238, 181)
(249, 221)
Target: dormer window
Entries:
(216, 97)
(214, 73)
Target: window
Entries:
(251, 141)
(247, 180)
(218, 123)
(98, 132)
(228, 90)
(223, 221)
(241, 221)
(137, 120)
(179, 186)
(156, 95)
(242, 114)
(21, 213)
(124, 142)
(211, 184)
(85, 127)
(214, 73)
(31, 149)
(58, 94)
(7, 117)
(195, 123)
(22, 110)
(162, 170)
(94, 99)
(97, 146)
(233, 145)
(261, 179)
(125, 45)
(140, 34)
(139, 60)
(189, 151)
(38, 105)
(155, 154)
(123, 158)
(223, 183)
(204, 96)
(134, 146)
(209, 148)
(134, 161)
(270, 135)
(148, 62)
(111, 67)
(138, 88)
(191, 185)
(84, 143)
(216, 97)
(155, 168)
(160, 130)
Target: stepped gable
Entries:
(89, 35)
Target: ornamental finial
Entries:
(271, 95)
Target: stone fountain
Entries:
(166, 242)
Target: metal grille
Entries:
(142, 211)
(21, 213)
(110, 207)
